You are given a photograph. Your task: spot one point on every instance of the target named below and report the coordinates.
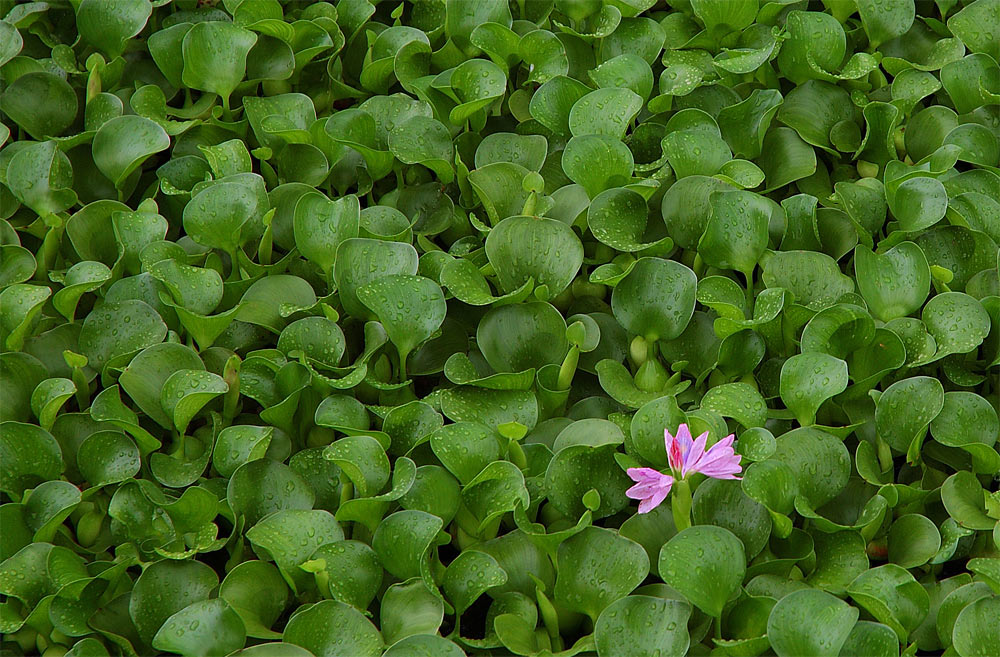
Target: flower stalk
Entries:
(680, 504)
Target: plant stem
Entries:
(402, 365)
(884, 455)
(680, 504)
(568, 368)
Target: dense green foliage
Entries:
(331, 329)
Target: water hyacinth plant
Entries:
(358, 328)
(685, 456)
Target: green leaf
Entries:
(462, 18)
(361, 261)
(894, 283)
(490, 407)
(106, 336)
(687, 209)
(964, 499)
(808, 380)
(40, 176)
(402, 542)
(736, 234)
(196, 289)
(237, 445)
(47, 506)
(261, 487)
(577, 469)
(744, 125)
(595, 553)
(918, 203)
(545, 250)
(815, 40)
(975, 633)
(656, 299)
(724, 504)
(969, 422)
(819, 461)
(319, 339)
(785, 158)
(333, 629)
(363, 460)
(122, 144)
(840, 557)
(165, 588)
(351, 572)
(885, 20)
(107, 457)
(265, 300)
(203, 628)
(604, 112)
(13, 42)
(839, 330)
(290, 536)
(496, 490)
(477, 84)
(813, 109)
(617, 217)
(913, 540)
(469, 576)
(869, 637)
(42, 103)
(906, 408)
(528, 151)
(892, 596)
(321, 225)
(551, 103)
(411, 308)
(410, 608)
(422, 140)
(597, 163)
(215, 57)
(544, 55)
(108, 26)
(464, 448)
(186, 392)
(517, 337)
(81, 278)
(974, 25)
(956, 321)
(256, 591)
(624, 627)
(810, 622)
(218, 216)
(814, 278)
(146, 373)
(48, 397)
(719, 563)
(424, 645)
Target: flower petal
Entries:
(641, 491)
(643, 475)
(674, 456)
(654, 501)
(678, 447)
(651, 488)
(720, 461)
(695, 455)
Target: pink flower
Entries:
(651, 487)
(687, 456)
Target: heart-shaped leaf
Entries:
(656, 299)
(595, 553)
